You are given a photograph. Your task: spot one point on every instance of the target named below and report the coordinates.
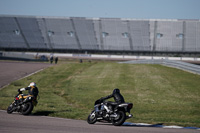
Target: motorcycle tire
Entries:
(27, 109)
(92, 118)
(10, 109)
(120, 119)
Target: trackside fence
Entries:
(171, 63)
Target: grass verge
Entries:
(160, 94)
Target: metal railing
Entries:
(177, 64)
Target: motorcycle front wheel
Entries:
(92, 118)
(120, 119)
(10, 109)
(27, 108)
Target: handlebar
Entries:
(20, 92)
(101, 100)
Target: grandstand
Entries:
(99, 35)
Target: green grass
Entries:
(160, 94)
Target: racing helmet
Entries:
(32, 85)
(116, 91)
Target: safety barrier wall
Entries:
(183, 65)
(112, 34)
(172, 63)
(95, 56)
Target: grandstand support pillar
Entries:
(75, 34)
(28, 46)
(155, 35)
(98, 47)
(47, 36)
(100, 34)
(38, 24)
(129, 36)
(184, 35)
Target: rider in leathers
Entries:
(117, 97)
(32, 91)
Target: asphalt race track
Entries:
(16, 123)
(11, 71)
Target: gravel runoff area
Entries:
(11, 71)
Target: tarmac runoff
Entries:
(132, 124)
(23, 77)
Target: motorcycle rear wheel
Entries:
(92, 118)
(27, 109)
(120, 119)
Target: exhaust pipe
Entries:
(114, 115)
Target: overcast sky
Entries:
(138, 9)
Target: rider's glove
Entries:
(22, 89)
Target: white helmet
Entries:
(32, 84)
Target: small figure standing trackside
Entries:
(56, 60)
(51, 59)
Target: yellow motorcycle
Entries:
(23, 104)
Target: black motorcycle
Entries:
(22, 103)
(110, 112)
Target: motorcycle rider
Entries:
(32, 90)
(117, 97)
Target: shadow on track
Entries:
(47, 113)
(127, 124)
